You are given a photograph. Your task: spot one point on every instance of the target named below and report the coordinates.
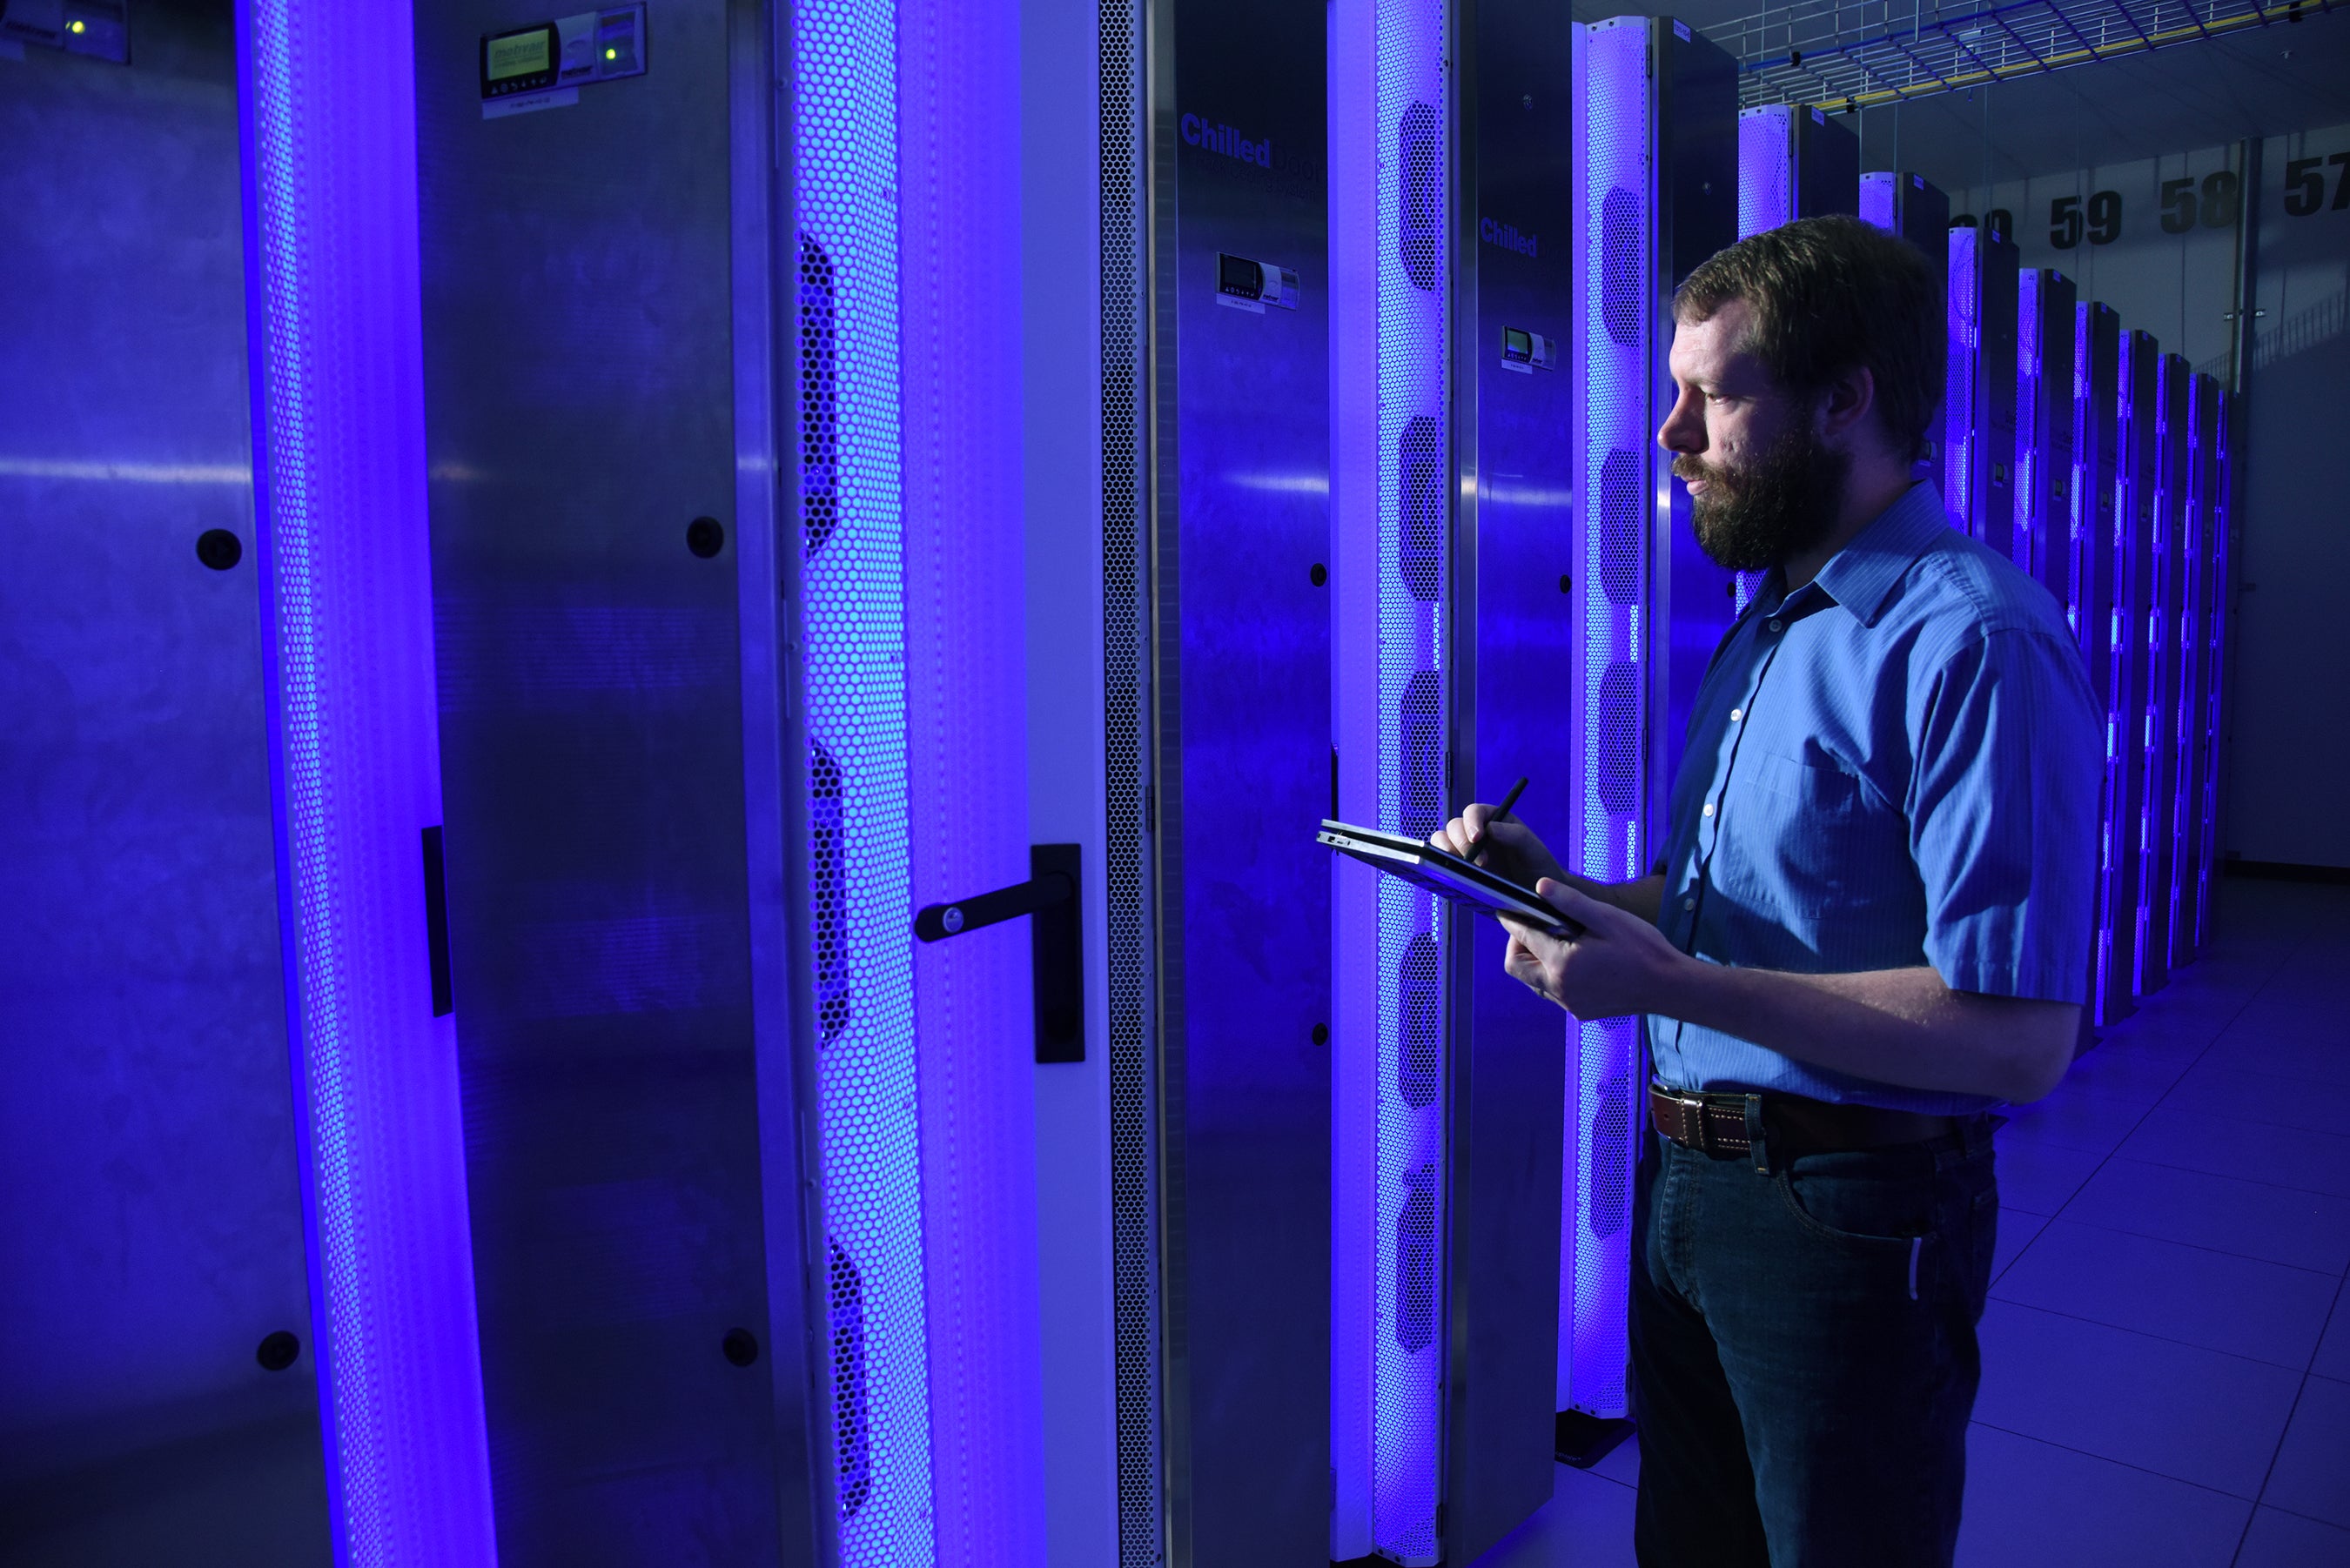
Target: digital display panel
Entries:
(527, 53)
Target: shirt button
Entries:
(1736, 714)
(1775, 623)
(1709, 808)
(1688, 903)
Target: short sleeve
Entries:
(2009, 765)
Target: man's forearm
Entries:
(1898, 1026)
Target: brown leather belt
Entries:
(1716, 1124)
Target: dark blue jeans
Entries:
(1803, 1356)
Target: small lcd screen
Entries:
(1238, 274)
(1517, 345)
(521, 54)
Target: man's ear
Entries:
(1848, 406)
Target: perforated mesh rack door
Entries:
(1615, 286)
(2190, 713)
(2165, 581)
(1413, 726)
(1766, 167)
(1133, 1089)
(854, 633)
(2215, 633)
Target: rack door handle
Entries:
(1057, 951)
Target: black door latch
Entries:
(1057, 943)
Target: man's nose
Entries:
(1682, 430)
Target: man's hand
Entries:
(1512, 848)
(1620, 964)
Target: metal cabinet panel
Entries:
(1517, 548)
(151, 1225)
(578, 356)
(1243, 682)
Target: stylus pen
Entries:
(1500, 812)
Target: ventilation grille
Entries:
(854, 633)
(1133, 1091)
(1419, 154)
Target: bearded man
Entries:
(1870, 926)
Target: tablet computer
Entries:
(1446, 874)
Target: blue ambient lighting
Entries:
(854, 629)
(327, 125)
(1609, 712)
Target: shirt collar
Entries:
(1862, 575)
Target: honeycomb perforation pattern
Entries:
(1415, 518)
(1623, 526)
(1766, 169)
(1422, 480)
(282, 183)
(1623, 243)
(1133, 1089)
(1419, 150)
(854, 634)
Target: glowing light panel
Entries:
(327, 122)
(854, 627)
(1618, 490)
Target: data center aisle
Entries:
(2166, 1351)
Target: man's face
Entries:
(1762, 483)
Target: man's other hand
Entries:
(1620, 964)
(1512, 848)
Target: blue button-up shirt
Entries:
(1896, 765)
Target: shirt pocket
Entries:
(1791, 832)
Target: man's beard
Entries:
(1781, 504)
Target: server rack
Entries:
(2043, 429)
(1978, 404)
(171, 1388)
(1513, 285)
(2134, 523)
(1239, 550)
(2191, 714)
(1794, 161)
(2092, 607)
(1655, 143)
(2220, 510)
(1913, 207)
(2165, 606)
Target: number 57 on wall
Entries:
(2305, 187)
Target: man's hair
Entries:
(1829, 293)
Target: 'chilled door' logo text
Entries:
(1226, 140)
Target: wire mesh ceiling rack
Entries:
(1849, 54)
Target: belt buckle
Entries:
(1692, 1105)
